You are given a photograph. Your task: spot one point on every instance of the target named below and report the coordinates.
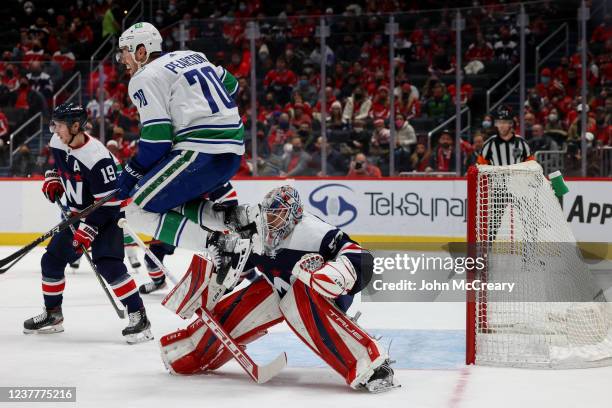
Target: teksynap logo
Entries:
(332, 201)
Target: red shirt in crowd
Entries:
(285, 77)
(484, 53)
(370, 171)
(4, 125)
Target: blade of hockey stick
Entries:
(259, 373)
(16, 256)
(120, 311)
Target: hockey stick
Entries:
(122, 223)
(120, 311)
(9, 261)
(259, 373)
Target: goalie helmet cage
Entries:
(555, 317)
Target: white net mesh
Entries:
(555, 317)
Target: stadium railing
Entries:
(551, 160)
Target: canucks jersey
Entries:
(312, 235)
(88, 173)
(185, 103)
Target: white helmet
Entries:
(141, 34)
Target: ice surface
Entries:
(92, 355)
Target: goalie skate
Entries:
(139, 328)
(49, 321)
(381, 380)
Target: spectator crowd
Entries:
(357, 110)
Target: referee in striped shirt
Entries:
(505, 147)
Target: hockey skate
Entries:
(243, 219)
(139, 328)
(132, 256)
(49, 321)
(230, 253)
(381, 380)
(153, 286)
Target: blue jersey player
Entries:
(85, 172)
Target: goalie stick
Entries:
(9, 261)
(119, 310)
(259, 373)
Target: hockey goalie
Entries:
(310, 272)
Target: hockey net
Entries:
(555, 317)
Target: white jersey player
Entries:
(191, 141)
(311, 271)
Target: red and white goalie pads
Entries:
(245, 315)
(330, 279)
(334, 337)
(198, 287)
(189, 293)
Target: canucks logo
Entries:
(332, 201)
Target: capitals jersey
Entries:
(185, 103)
(88, 173)
(312, 235)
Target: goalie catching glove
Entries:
(330, 279)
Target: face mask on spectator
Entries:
(283, 125)
(486, 124)
(303, 83)
(552, 117)
(303, 133)
(159, 19)
(288, 148)
(545, 80)
(399, 123)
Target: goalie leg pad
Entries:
(186, 297)
(340, 342)
(245, 314)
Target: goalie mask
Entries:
(281, 211)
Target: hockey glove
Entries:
(52, 188)
(83, 237)
(132, 173)
(330, 279)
